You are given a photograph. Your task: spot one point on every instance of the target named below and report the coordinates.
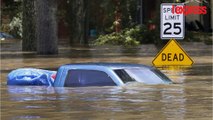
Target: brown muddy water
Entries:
(189, 99)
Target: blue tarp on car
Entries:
(31, 76)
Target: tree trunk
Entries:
(77, 21)
(46, 27)
(28, 24)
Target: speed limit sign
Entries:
(172, 21)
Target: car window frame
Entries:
(68, 75)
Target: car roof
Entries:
(5, 35)
(109, 65)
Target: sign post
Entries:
(172, 27)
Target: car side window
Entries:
(123, 75)
(82, 78)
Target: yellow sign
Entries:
(172, 54)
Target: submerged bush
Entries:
(129, 37)
(116, 39)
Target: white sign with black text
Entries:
(172, 24)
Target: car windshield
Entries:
(144, 75)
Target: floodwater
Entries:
(189, 99)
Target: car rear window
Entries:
(81, 78)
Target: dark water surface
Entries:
(190, 99)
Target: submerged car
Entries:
(89, 74)
(4, 36)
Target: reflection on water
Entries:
(190, 99)
(174, 101)
(176, 73)
(143, 101)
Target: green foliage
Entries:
(135, 33)
(130, 37)
(129, 13)
(12, 10)
(16, 26)
(116, 39)
(192, 36)
(143, 34)
(102, 14)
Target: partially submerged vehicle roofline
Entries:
(109, 65)
(100, 74)
(64, 69)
